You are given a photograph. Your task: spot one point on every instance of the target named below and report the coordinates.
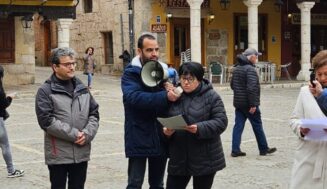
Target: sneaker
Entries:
(236, 154)
(16, 173)
(268, 151)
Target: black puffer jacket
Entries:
(5, 101)
(200, 153)
(245, 84)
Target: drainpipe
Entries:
(131, 26)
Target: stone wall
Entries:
(217, 46)
(88, 30)
(23, 70)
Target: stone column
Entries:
(63, 32)
(305, 8)
(195, 11)
(253, 22)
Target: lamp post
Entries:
(27, 21)
(224, 4)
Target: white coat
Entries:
(310, 161)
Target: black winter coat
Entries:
(245, 84)
(5, 101)
(200, 153)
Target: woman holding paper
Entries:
(196, 151)
(309, 169)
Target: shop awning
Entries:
(50, 9)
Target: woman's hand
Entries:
(192, 128)
(316, 91)
(304, 131)
(168, 132)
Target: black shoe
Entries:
(236, 154)
(268, 151)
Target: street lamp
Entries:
(27, 21)
(278, 5)
(211, 17)
(224, 4)
(169, 16)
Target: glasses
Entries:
(190, 80)
(68, 64)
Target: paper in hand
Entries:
(175, 122)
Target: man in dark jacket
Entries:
(246, 87)
(69, 116)
(143, 133)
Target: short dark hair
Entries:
(194, 69)
(141, 39)
(320, 59)
(88, 50)
(60, 52)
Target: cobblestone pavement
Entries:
(108, 165)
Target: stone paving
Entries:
(108, 165)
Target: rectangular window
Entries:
(87, 5)
(108, 48)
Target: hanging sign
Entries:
(159, 28)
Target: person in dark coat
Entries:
(196, 151)
(246, 87)
(5, 102)
(143, 133)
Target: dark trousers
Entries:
(255, 119)
(75, 172)
(199, 182)
(156, 171)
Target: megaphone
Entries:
(153, 73)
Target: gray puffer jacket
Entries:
(201, 153)
(61, 115)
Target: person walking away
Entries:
(89, 65)
(246, 87)
(144, 140)
(196, 151)
(5, 102)
(69, 117)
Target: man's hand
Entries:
(168, 132)
(80, 138)
(168, 86)
(252, 110)
(316, 91)
(172, 96)
(192, 128)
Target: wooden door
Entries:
(7, 40)
(241, 35)
(179, 39)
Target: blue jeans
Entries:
(136, 171)
(5, 147)
(89, 79)
(255, 119)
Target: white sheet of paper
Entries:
(175, 122)
(316, 127)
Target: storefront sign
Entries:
(158, 28)
(316, 19)
(184, 4)
(214, 36)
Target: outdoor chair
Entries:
(216, 70)
(284, 68)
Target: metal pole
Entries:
(122, 33)
(131, 26)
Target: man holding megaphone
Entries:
(143, 103)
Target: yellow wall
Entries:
(224, 20)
